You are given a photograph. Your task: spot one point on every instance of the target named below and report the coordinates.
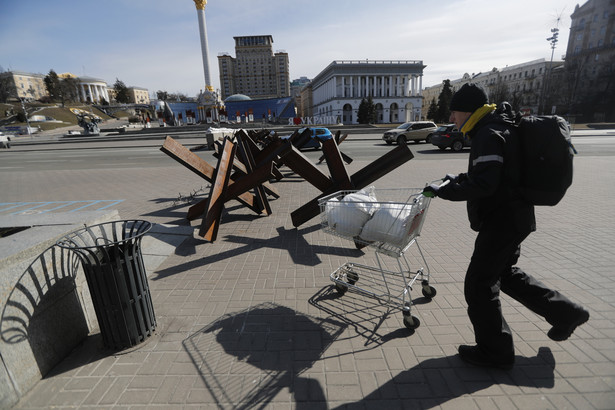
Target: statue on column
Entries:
(200, 4)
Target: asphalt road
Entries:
(146, 153)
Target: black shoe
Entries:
(562, 332)
(474, 355)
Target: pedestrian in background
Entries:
(503, 219)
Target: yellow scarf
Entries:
(476, 117)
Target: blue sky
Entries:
(155, 44)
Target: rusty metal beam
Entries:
(203, 169)
(370, 173)
(338, 140)
(301, 165)
(337, 170)
(248, 160)
(211, 221)
(188, 159)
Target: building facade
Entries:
(394, 86)
(589, 90)
(581, 87)
(256, 71)
(138, 95)
(23, 85)
(306, 109)
(92, 90)
(295, 91)
(523, 85)
(88, 89)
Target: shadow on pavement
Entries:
(245, 359)
(363, 314)
(249, 358)
(433, 382)
(291, 240)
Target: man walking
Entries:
(503, 219)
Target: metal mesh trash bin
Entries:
(110, 254)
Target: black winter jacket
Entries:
(490, 186)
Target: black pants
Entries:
(496, 250)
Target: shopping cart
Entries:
(377, 219)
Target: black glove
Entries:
(451, 177)
(431, 191)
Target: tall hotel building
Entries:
(256, 71)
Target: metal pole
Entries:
(553, 41)
(23, 106)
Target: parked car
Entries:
(449, 136)
(317, 135)
(410, 131)
(5, 141)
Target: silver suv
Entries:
(410, 131)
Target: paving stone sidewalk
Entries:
(253, 321)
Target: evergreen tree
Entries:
(121, 92)
(432, 110)
(444, 101)
(367, 111)
(362, 113)
(52, 83)
(372, 114)
(68, 90)
(6, 90)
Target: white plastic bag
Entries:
(348, 216)
(390, 224)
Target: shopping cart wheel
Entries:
(341, 289)
(428, 291)
(352, 277)
(359, 244)
(411, 322)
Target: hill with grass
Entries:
(11, 114)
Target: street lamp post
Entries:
(553, 41)
(23, 106)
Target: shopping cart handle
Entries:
(430, 194)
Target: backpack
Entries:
(546, 154)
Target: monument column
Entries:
(200, 9)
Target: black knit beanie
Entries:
(469, 98)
